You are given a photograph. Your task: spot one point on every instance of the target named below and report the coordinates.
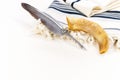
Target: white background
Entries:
(25, 56)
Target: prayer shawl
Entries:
(108, 19)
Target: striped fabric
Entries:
(64, 8)
(109, 21)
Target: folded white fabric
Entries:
(109, 20)
(92, 7)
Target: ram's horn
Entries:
(94, 29)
